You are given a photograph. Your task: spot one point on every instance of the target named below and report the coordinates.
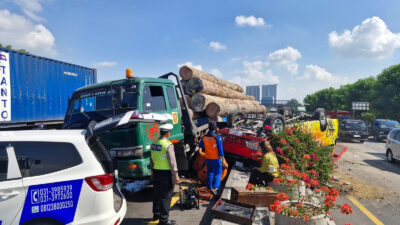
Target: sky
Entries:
(303, 46)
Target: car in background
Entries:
(382, 127)
(393, 145)
(55, 177)
(351, 129)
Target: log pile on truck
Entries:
(214, 96)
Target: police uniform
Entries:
(212, 144)
(163, 176)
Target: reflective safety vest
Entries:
(159, 154)
(211, 148)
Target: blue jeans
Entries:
(214, 171)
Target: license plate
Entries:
(356, 135)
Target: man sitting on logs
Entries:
(212, 144)
(269, 166)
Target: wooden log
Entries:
(187, 73)
(214, 106)
(197, 85)
(188, 98)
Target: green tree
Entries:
(9, 47)
(368, 117)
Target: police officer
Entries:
(165, 175)
(212, 144)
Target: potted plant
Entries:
(304, 163)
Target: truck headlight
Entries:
(253, 145)
(136, 151)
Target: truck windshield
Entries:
(356, 125)
(390, 124)
(104, 102)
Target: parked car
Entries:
(54, 177)
(393, 145)
(382, 127)
(351, 129)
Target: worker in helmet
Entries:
(211, 143)
(165, 175)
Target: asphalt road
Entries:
(372, 181)
(140, 210)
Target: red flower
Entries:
(313, 155)
(250, 187)
(333, 192)
(277, 181)
(283, 141)
(268, 128)
(269, 188)
(311, 163)
(346, 208)
(306, 218)
(317, 190)
(282, 196)
(297, 140)
(306, 156)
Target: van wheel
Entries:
(320, 115)
(236, 118)
(276, 121)
(389, 156)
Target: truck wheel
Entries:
(320, 115)
(276, 121)
(235, 117)
(285, 111)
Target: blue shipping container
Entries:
(36, 89)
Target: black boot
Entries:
(169, 222)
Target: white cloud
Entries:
(105, 64)
(371, 38)
(31, 8)
(199, 67)
(255, 73)
(20, 32)
(216, 46)
(286, 57)
(216, 72)
(249, 21)
(314, 72)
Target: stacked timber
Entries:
(214, 96)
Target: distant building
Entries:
(269, 94)
(254, 91)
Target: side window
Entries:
(397, 135)
(171, 97)
(153, 99)
(3, 164)
(39, 158)
(393, 134)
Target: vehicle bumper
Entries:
(356, 136)
(382, 136)
(142, 168)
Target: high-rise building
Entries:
(254, 91)
(269, 94)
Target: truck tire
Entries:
(276, 121)
(389, 156)
(285, 111)
(320, 115)
(235, 117)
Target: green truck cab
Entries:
(149, 98)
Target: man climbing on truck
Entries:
(211, 143)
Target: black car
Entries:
(351, 129)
